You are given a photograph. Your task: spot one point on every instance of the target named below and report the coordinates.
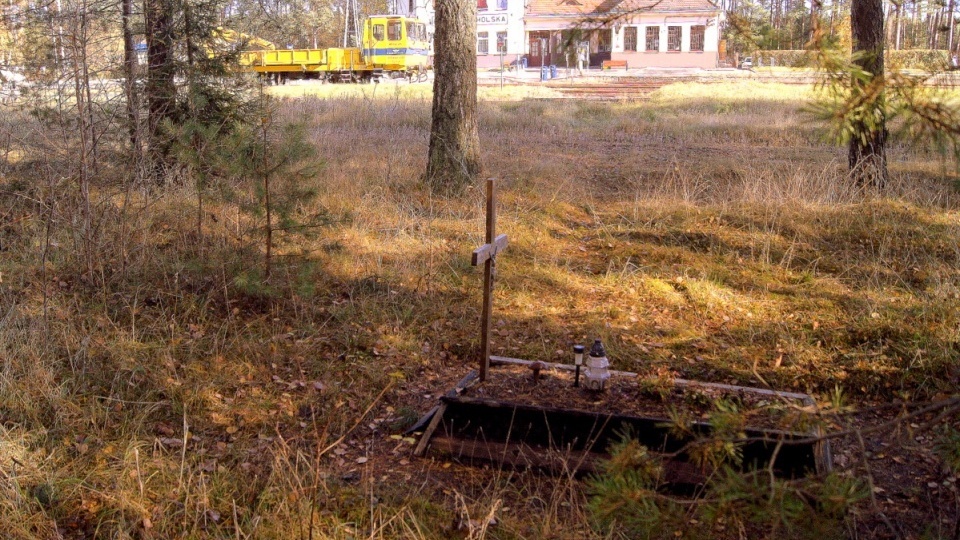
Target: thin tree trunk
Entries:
(81, 83)
(160, 89)
(867, 155)
(916, 24)
(130, 73)
(85, 65)
(267, 204)
(950, 7)
(936, 29)
(454, 155)
(899, 25)
(60, 53)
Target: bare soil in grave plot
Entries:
(638, 396)
(909, 487)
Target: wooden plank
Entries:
(421, 448)
(487, 251)
(466, 382)
(488, 281)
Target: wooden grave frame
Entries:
(574, 441)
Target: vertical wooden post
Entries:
(488, 280)
(487, 254)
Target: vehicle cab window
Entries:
(394, 29)
(378, 32)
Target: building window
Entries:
(653, 38)
(393, 30)
(673, 38)
(604, 40)
(413, 6)
(483, 43)
(501, 42)
(697, 37)
(630, 38)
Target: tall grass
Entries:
(709, 230)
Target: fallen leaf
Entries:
(171, 442)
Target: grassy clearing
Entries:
(708, 232)
(392, 89)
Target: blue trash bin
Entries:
(544, 73)
(553, 72)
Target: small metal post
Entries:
(578, 361)
(501, 63)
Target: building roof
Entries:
(595, 8)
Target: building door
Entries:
(539, 49)
(601, 46)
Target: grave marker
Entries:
(487, 254)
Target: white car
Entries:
(747, 63)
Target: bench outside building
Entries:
(610, 64)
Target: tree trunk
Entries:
(454, 156)
(130, 74)
(950, 29)
(867, 157)
(815, 7)
(160, 89)
(897, 46)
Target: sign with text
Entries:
(491, 18)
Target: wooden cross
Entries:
(487, 254)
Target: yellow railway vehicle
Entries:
(392, 44)
(398, 45)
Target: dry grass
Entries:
(709, 231)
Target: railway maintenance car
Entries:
(391, 45)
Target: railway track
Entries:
(627, 88)
(621, 90)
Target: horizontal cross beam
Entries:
(488, 251)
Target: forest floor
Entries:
(155, 384)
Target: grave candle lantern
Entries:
(597, 371)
